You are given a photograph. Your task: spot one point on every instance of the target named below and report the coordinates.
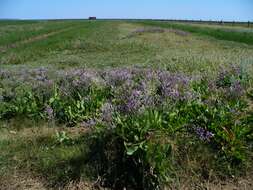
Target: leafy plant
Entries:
(62, 137)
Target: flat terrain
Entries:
(104, 44)
(50, 154)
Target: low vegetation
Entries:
(147, 122)
(222, 33)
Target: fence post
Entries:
(248, 23)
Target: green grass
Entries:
(16, 22)
(10, 34)
(103, 44)
(89, 44)
(33, 147)
(218, 33)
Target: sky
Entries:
(230, 10)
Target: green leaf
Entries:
(51, 100)
(130, 150)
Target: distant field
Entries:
(125, 104)
(103, 44)
(238, 34)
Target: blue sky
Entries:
(239, 10)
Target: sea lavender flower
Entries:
(136, 95)
(236, 70)
(134, 102)
(49, 111)
(236, 90)
(84, 79)
(226, 76)
(204, 134)
(148, 90)
(151, 75)
(173, 86)
(39, 74)
(223, 79)
(117, 77)
(4, 74)
(107, 112)
(89, 123)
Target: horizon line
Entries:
(158, 19)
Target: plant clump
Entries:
(143, 120)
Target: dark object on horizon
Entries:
(92, 18)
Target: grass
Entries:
(43, 152)
(10, 34)
(103, 45)
(92, 44)
(33, 157)
(34, 148)
(221, 33)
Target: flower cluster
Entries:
(131, 90)
(117, 77)
(174, 86)
(204, 134)
(88, 124)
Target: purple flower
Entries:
(89, 123)
(134, 101)
(79, 80)
(5, 74)
(174, 86)
(236, 90)
(107, 112)
(39, 74)
(118, 77)
(226, 76)
(49, 112)
(204, 134)
(236, 70)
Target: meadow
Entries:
(125, 105)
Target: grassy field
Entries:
(125, 104)
(237, 34)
